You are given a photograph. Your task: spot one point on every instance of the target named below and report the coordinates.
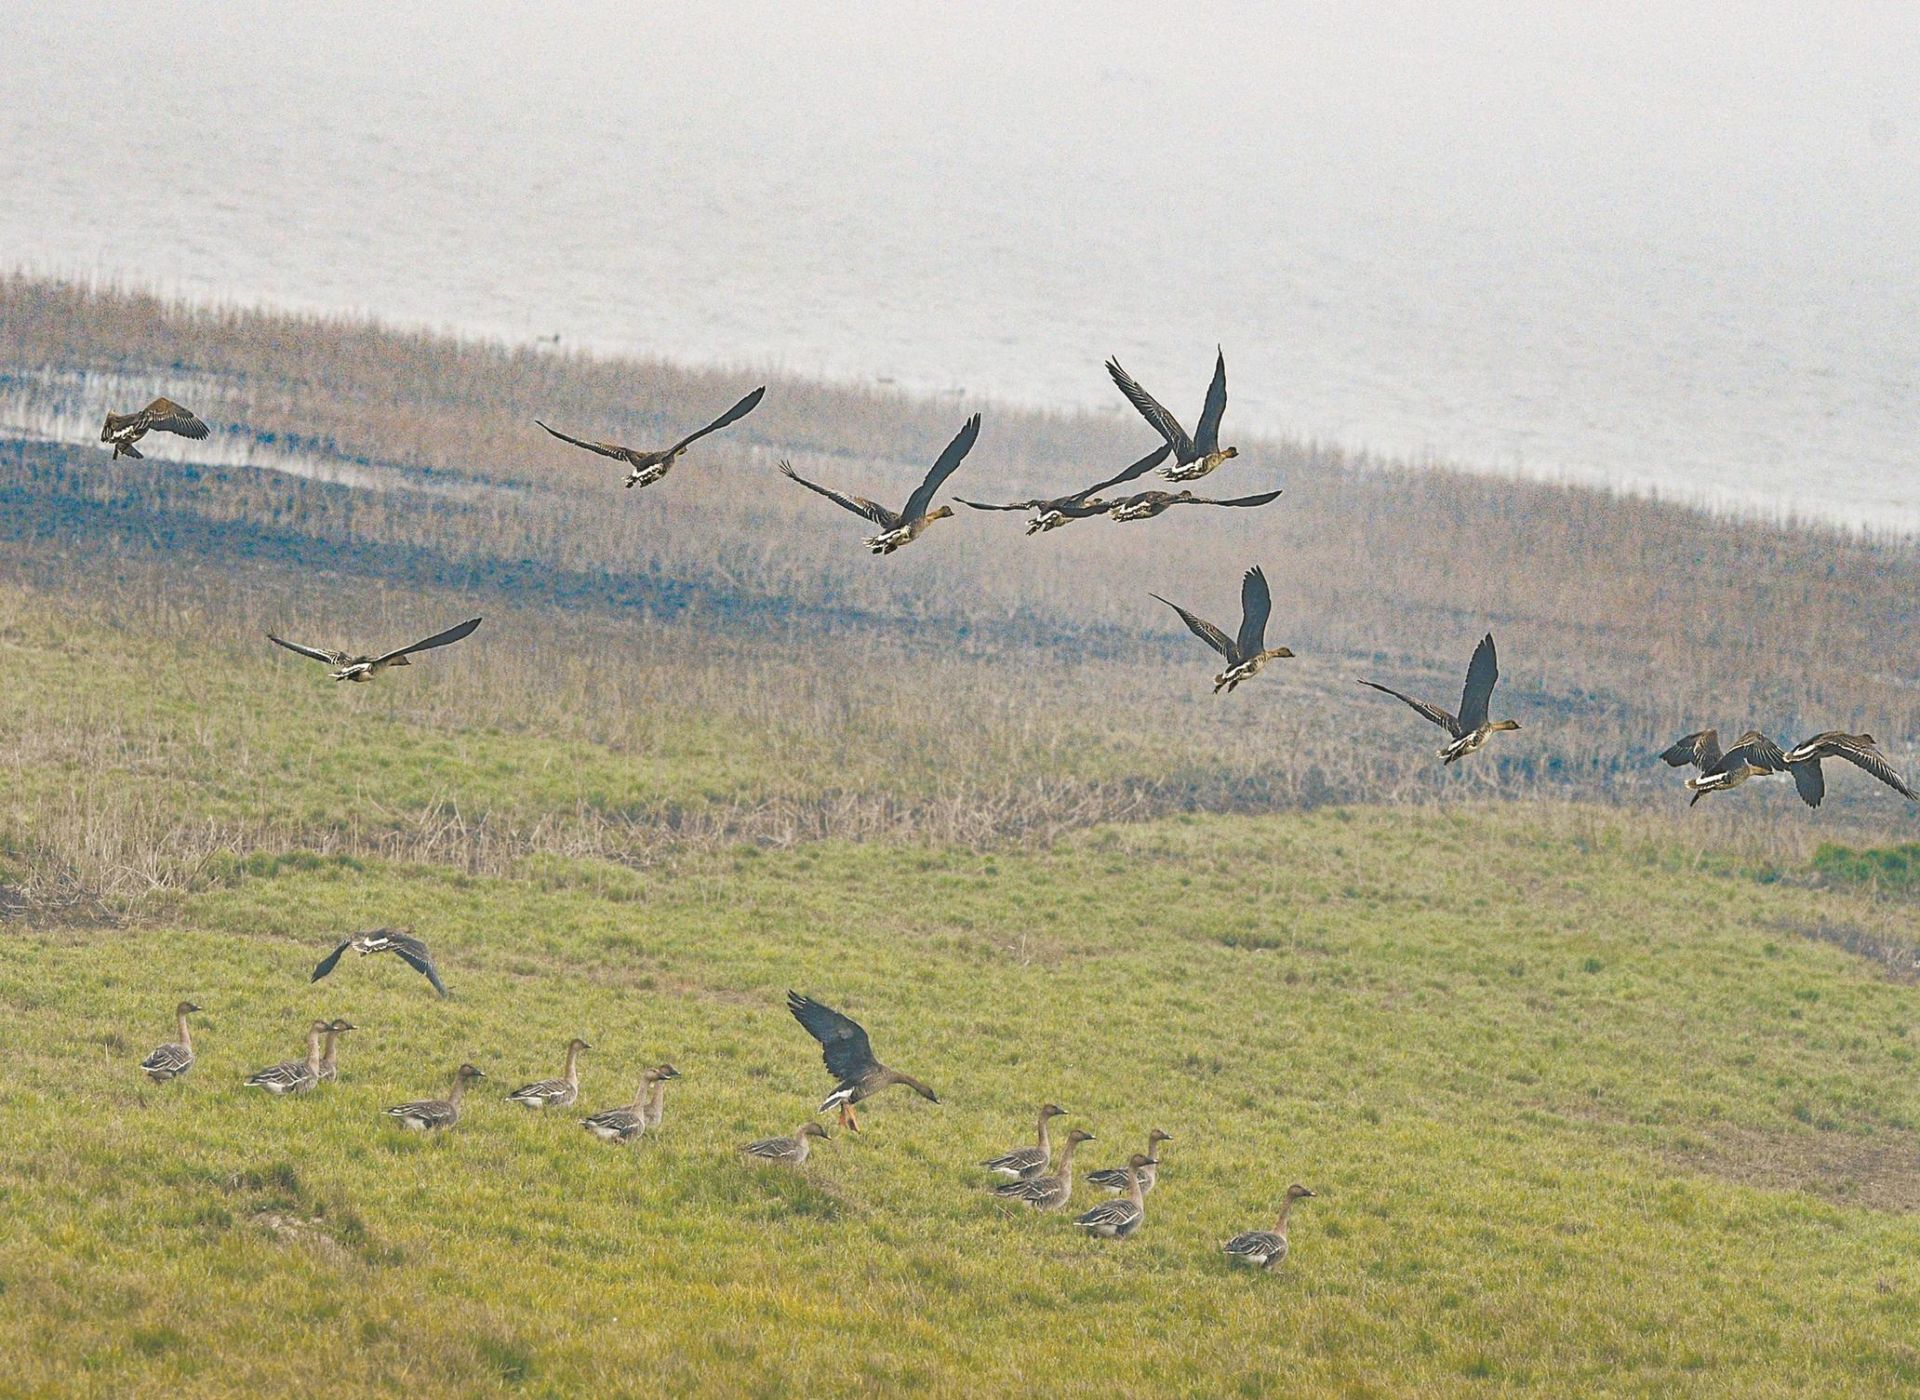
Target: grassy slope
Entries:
(1553, 1133)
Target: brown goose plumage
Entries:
(1470, 728)
(1148, 504)
(1247, 652)
(1194, 456)
(849, 1058)
(645, 468)
(902, 527)
(123, 430)
(1081, 505)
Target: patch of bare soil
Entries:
(1896, 956)
(1881, 1172)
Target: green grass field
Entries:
(1585, 1118)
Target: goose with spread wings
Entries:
(398, 941)
(123, 430)
(1148, 504)
(1194, 456)
(904, 526)
(1470, 728)
(849, 1058)
(1754, 755)
(1246, 653)
(645, 468)
(1081, 505)
(1803, 763)
(359, 669)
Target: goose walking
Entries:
(293, 1076)
(431, 1115)
(1148, 504)
(849, 1058)
(1471, 727)
(645, 468)
(1265, 1248)
(1247, 652)
(360, 669)
(1194, 456)
(628, 1123)
(1081, 505)
(1115, 1178)
(329, 1065)
(787, 1151)
(398, 941)
(123, 430)
(1029, 1161)
(554, 1093)
(175, 1058)
(1120, 1217)
(1049, 1191)
(906, 525)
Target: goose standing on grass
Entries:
(359, 669)
(123, 430)
(1052, 1190)
(626, 1124)
(329, 1067)
(1803, 762)
(1194, 456)
(1081, 505)
(554, 1093)
(1248, 652)
(1265, 1248)
(1471, 727)
(908, 524)
(1753, 755)
(655, 1108)
(398, 941)
(430, 1115)
(849, 1059)
(293, 1076)
(787, 1151)
(175, 1058)
(1119, 1218)
(1148, 504)
(645, 468)
(1030, 1161)
(1115, 1178)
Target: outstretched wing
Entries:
(1151, 409)
(1752, 750)
(438, 639)
(331, 658)
(1701, 749)
(956, 452)
(1011, 505)
(1137, 470)
(1258, 500)
(1426, 711)
(415, 953)
(843, 1042)
(1809, 781)
(1206, 433)
(166, 416)
(1255, 605)
(1202, 629)
(1482, 672)
(605, 449)
(859, 505)
(330, 961)
(732, 415)
(1861, 752)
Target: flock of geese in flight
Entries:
(1034, 1177)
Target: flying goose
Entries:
(788, 1151)
(1248, 652)
(1029, 1161)
(627, 1123)
(1194, 456)
(906, 525)
(1148, 504)
(554, 1093)
(123, 430)
(174, 1059)
(347, 667)
(1061, 510)
(1471, 726)
(1120, 1217)
(329, 1068)
(1049, 1191)
(398, 941)
(1115, 1178)
(645, 468)
(428, 1115)
(1265, 1248)
(1753, 755)
(293, 1076)
(849, 1058)
(1803, 762)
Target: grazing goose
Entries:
(1052, 1190)
(655, 1107)
(123, 430)
(1081, 504)
(429, 1115)
(172, 1060)
(1266, 1248)
(1148, 504)
(849, 1058)
(645, 468)
(293, 1076)
(554, 1093)
(1024, 1162)
(1471, 726)
(788, 1151)
(1119, 1218)
(1248, 652)
(398, 941)
(329, 1069)
(1115, 1178)
(1194, 456)
(359, 669)
(1803, 762)
(628, 1123)
(908, 524)
(1753, 755)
